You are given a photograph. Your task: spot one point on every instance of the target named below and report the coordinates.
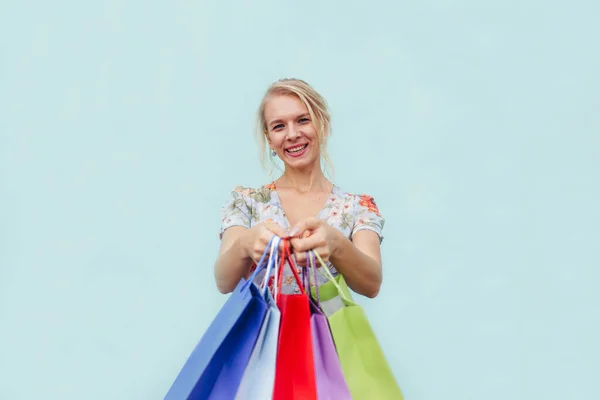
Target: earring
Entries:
(273, 153)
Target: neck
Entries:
(304, 181)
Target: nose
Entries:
(293, 132)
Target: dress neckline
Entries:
(273, 188)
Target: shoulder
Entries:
(360, 201)
(241, 190)
(261, 194)
(367, 202)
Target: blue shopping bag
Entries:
(259, 376)
(215, 367)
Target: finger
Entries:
(276, 229)
(309, 243)
(322, 250)
(281, 247)
(323, 253)
(300, 259)
(265, 237)
(304, 257)
(256, 256)
(297, 255)
(304, 225)
(258, 251)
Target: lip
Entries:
(298, 154)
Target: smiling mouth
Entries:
(296, 149)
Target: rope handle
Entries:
(327, 274)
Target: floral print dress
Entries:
(347, 212)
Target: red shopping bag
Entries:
(294, 369)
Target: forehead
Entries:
(283, 107)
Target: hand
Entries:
(313, 234)
(258, 237)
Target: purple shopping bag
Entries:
(215, 367)
(331, 383)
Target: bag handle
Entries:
(272, 262)
(261, 265)
(287, 256)
(275, 273)
(327, 274)
(310, 264)
(314, 268)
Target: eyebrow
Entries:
(278, 121)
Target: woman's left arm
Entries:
(359, 260)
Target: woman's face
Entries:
(291, 132)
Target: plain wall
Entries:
(475, 126)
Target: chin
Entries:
(304, 163)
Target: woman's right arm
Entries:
(233, 261)
(240, 248)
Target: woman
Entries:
(302, 204)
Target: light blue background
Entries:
(474, 124)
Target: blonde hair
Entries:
(317, 108)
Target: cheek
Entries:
(272, 139)
(313, 133)
(314, 138)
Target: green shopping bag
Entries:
(365, 367)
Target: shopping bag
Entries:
(215, 367)
(331, 384)
(294, 371)
(365, 367)
(259, 376)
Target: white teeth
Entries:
(296, 149)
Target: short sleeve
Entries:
(367, 216)
(237, 211)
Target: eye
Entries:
(278, 127)
(304, 120)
